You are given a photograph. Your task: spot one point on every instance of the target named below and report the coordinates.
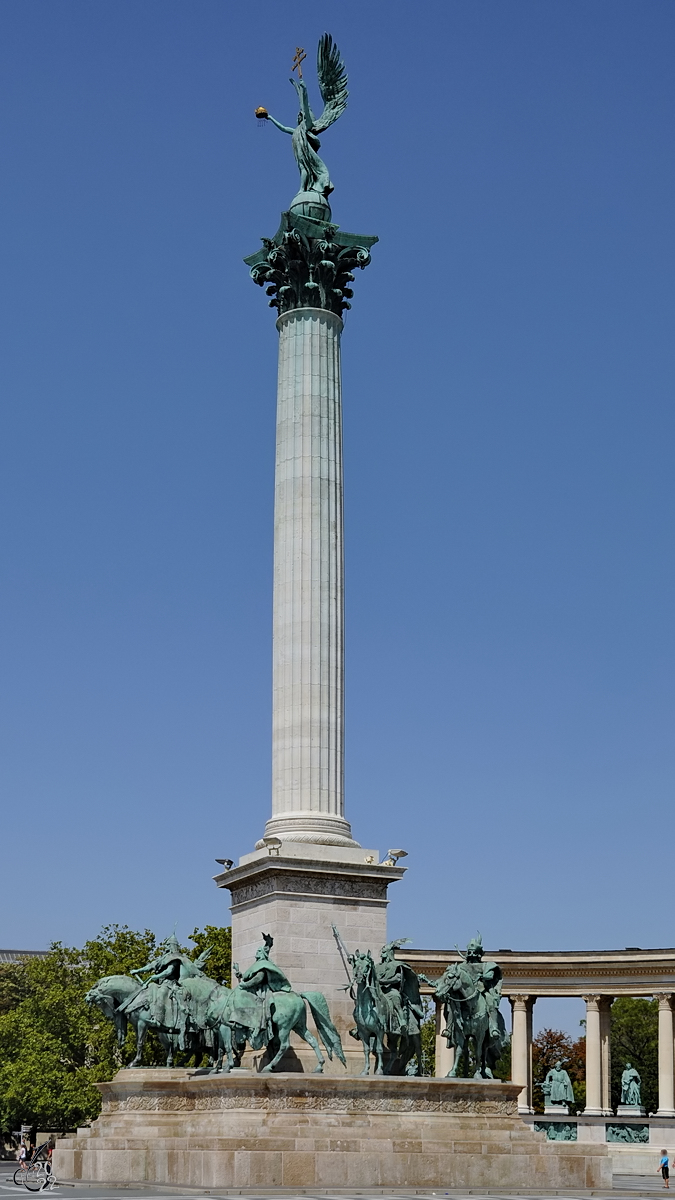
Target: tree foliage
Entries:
(549, 1046)
(634, 1038)
(53, 1046)
(428, 1038)
(219, 963)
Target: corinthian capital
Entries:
(309, 264)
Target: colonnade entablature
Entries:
(595, 976)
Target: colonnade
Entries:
(598, 1060)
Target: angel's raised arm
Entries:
(301, 89)
(283, 128)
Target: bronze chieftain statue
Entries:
(193, 1013)
(557, 1087)
(388, 1009)
(630, 1087)
(471, 991)
(172, 1002)
(265, 1010)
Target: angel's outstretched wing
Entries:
(332, 82)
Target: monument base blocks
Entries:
(302, 1131)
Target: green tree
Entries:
(219, 963)
(549, 1046)
(53, 1046)
(634, 1038)
(428, 1038)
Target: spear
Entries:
(343, 955)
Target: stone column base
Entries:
(297, 896)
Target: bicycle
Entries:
(37, 1172)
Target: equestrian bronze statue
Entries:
(471, 991)
(195, 1014)
(388, 1009)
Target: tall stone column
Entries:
(308, 645)
(521, 1048)
(666, 1090)
(593, 1057)
(307, 873)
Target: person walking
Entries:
(663, 1168)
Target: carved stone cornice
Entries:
(308, 876)
(309, 264)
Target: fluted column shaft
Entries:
(666, 1089)
(593, 1057)
(606, 1054)
(308, 657)
(521, 1048)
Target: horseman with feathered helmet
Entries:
(401, 987)
(471, 991)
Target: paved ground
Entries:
(625, 1186)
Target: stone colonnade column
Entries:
(521, 1048)
(666, 1093)
(308, 656)
(593, 1057)
(605, 1054)
(445, 1055)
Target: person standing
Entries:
(663, 1168)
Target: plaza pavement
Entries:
(625, 1186)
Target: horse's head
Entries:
(107, 994)
(101, 997)
(363, 966)
(449, 983)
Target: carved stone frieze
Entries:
(235, 1098)
(340, 886)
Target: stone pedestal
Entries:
(297, 896)
(556, 1110)
(293, 1131)
(631, 1110)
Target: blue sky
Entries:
(508, 418)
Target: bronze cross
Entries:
(298, 60)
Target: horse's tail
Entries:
(327, 1031)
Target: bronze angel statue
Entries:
(330, 69)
